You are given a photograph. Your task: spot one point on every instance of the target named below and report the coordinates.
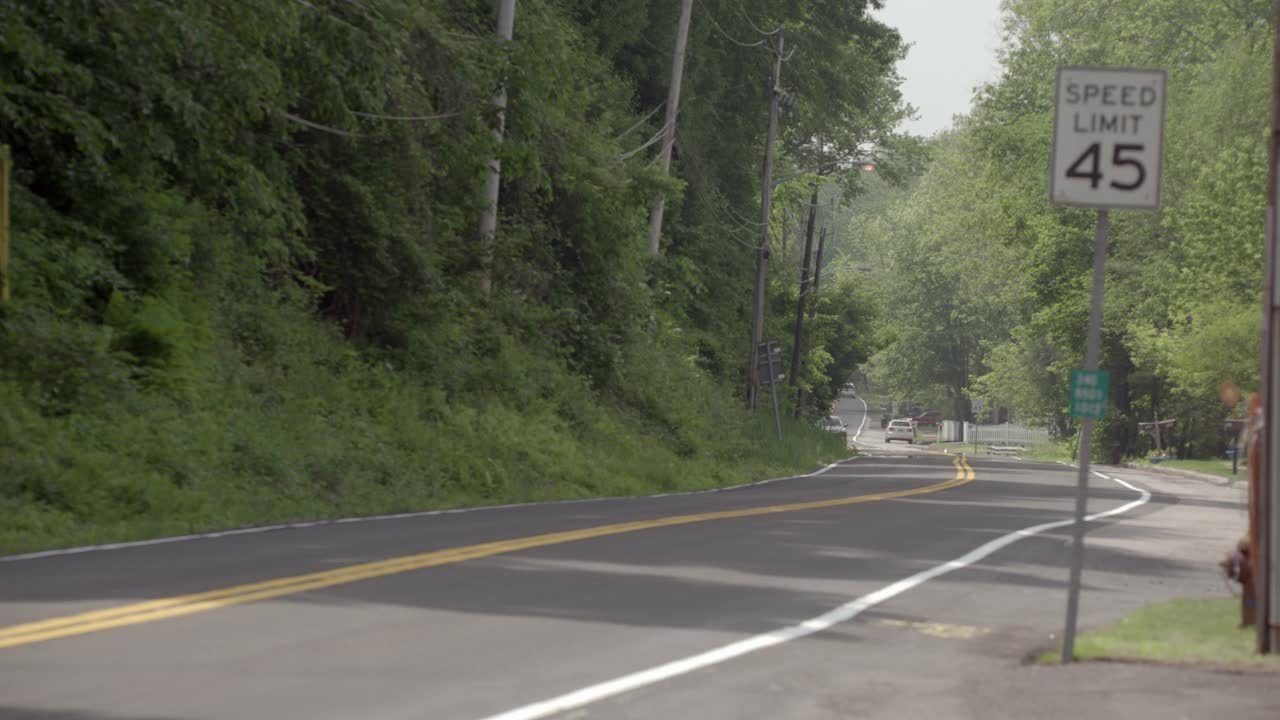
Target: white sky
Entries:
(953, 50)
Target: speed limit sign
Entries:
(1108, 137)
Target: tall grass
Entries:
(320, 433)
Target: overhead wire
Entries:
(745, 221)
(727, 215)
(408, 118)
(317, 126)
(656, 137)
(743, 11)
(640, 122)
(711, 16)
(721, 208)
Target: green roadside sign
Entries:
(1089, 393)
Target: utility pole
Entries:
(669, 127)
(813, 308)
(817, 275)
(804, 296)
(1265, 535)
(489, 216)
(766, 198)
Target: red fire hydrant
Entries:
(1239, 567)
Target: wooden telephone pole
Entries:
(669, 127)
(805, 284)
(766, 199)
(489, 216)
(813, 308)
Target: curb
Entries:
(1203, 477)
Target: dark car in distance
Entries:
(933, 417)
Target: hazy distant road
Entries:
(474, 614)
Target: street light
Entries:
(864, 165)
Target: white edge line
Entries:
(841, 614)
(394, 516)
(862, 424)
(866, 410)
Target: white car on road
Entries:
(902, 429)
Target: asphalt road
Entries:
(828, 595)
(865, 432)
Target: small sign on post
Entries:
(769, 369)
(1089, 393)
(1108, 149)
(769, 362)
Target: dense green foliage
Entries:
(1193, 630)
(245, 279)
(989, 284)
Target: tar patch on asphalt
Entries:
(945, 631)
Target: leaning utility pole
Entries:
(804, 294)
(669, 127)
(1265, 536)
(489, 216)
(766, 198)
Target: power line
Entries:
(317, 126)
(640, 122)
(407, 118)
(721, 208)
(656, 137)
(711, 16)
(743, 11)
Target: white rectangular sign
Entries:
(1108, 137)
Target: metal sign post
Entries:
(1108, 149)
(1234, 427)
(1153, 427)
(1095, 410)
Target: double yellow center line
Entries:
(179, 605)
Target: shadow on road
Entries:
(17, 713)
(736, 575)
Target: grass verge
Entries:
(299, 425)
(1213, 466)
(1185, 631)
(117, 477)
(1050, 452)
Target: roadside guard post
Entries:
(1108, 150)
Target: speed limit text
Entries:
(1101, 107)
